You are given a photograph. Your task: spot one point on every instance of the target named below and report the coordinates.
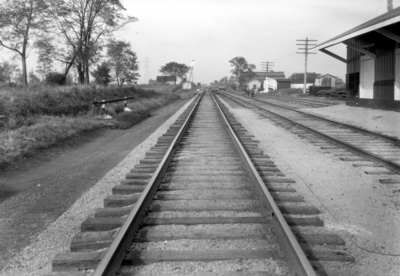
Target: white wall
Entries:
(252, 83)
(300, 85)
(271, 83)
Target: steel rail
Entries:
(368, 155)
(294, 254)
(387, 138)
(290, 99)
(113, 100)
(115, 254)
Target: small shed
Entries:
(255, 83)
(283, 83)
(372, 61)
(326, 80)
(187, 85)
(166, 80)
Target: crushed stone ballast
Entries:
(378, 153)
(205, 199)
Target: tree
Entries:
(102, 74)
(123, 61)
(20, 20)
(56, 78)
(224, 80)
(33, 78)
(175, 69)
(81, 25)
(242, 70)
(45, 60)
(299, 77)
(8, 72)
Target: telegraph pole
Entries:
(146, 70)
(390, 5)
(267, 65)
(306, 53)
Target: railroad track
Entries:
(379, 153)
(302, 101)
(204, 200)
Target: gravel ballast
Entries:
(36, 258)
(174, 268)
(355, 205)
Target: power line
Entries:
(306, 53)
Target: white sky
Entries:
(212, 32)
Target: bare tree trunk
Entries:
(86, 72)
(24, 75)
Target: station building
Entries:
(373, 61)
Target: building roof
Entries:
(284, 80)
(262, 76)
(165, 78)
(271, 75)
(381, 21)
(326, 75)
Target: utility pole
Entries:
(267, 65)
(390, 5)
(306, 53)
(191, 74)
(146, 70)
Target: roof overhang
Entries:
(375, 24)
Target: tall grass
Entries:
(47, 131)
(61, 100)
(38, 117)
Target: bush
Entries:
(55, 78)
(102, 74)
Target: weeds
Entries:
(38, 117)
(47, 131)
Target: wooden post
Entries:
(390, 5)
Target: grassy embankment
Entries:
(42, 116)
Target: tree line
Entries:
(71, 32)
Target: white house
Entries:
(187, 85)
(265, 82)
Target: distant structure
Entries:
(188, 85)
(265, 81)
(283, 83)
(166, 80)
(373, 61)
(326, 80)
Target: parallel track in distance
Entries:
(381, 149)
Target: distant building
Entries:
(166, 80)
(300, 85)
(186, 85)
(326, 80)
(373, 61)
(283, 83)
(263, 81)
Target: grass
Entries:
(46, 132)
(39, 117)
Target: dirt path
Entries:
(43, 187)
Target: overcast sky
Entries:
(212, 32)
